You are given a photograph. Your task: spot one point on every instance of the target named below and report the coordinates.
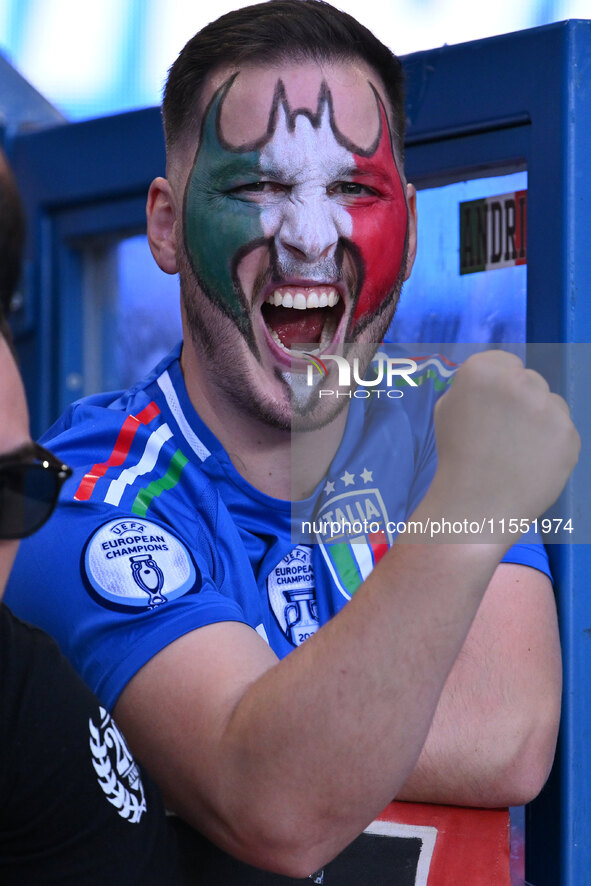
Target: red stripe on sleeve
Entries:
(120, 450)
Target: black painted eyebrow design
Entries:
(280, 99)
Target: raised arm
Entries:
(284, 763)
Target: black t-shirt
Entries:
(75, 808)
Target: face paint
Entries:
(304, 153)
(321, 197)
(217, 227)
(379, 228)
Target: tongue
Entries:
(296, 327)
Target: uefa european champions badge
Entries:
(137, 564)
(292, 595)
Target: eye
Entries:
(350, 189)
(260, 187)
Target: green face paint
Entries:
(219, 227)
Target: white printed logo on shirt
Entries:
(117, 771)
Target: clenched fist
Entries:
(506, 445)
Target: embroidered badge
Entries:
(137, 564)
(292, 595)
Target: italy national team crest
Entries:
(352, 528)
(117, 771)
(292, 595)
(137, 564)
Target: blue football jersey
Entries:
(157, 533)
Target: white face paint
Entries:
(308, 160)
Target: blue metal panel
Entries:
(80, 179)
(476, 106)
(71, 227)
(576, 608)
(92, 160)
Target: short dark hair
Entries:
(270, 32)
(12, 238)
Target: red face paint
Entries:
(379, 226)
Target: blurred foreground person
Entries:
(75, 807)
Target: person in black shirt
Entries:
(75, 807)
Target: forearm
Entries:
(493, 736)
(284, 763)
(322, 741)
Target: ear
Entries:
(411, 202)
(161, 215)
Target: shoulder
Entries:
(90, 418)
(398, 413)
(410, 382)
(430, 377)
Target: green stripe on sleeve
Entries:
(145, 496)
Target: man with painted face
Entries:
(286, 212)
(316, 251)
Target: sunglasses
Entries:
(30, 483)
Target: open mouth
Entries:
(303, 318)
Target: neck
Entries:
(264, 455)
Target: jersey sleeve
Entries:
(114, 589)
(140, 550)
(530, 551)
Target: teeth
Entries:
(294, 352)
(276, 339)
(320, 298)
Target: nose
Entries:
(308, 230)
